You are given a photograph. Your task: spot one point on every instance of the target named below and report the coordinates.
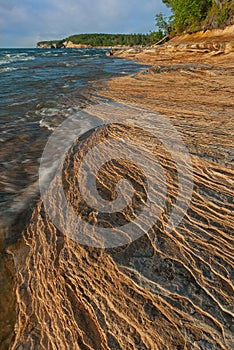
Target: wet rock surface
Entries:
(165, 290)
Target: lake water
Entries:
(39, 88)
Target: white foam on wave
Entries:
(47, 172)
(45, 124)
(47, 53)
(10, 58)
(11, 69)
(77, 124)
(7, 69)
(51, 118)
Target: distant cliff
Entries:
(61, 45)
(102, 40)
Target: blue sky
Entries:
(25, 22)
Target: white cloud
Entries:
(28, 21)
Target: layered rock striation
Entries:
(165, 290)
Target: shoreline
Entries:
(182, 81)
(211, 42)
(174, 292)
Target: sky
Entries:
(25, 22)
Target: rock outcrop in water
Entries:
(62, 45)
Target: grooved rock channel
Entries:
(163, 291)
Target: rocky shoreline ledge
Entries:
(191, 82)
(213, 42)
(173, 292)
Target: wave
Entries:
(51, 117)
(7, 69)
(45, 124)
(12, 69)
(52, 53)
(12, 58)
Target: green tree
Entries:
(188, 14)
(161, 23)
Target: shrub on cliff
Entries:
(193, 15)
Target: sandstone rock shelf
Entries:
(165, 290)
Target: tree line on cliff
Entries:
(187, 16)
(108, 40)
(194, 15)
